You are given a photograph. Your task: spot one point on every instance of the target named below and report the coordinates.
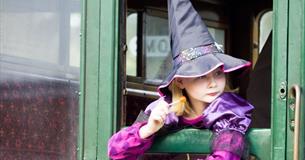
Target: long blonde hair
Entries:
(179, 108)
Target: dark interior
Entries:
(236, 17)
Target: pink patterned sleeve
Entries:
(222, 155)
(229, 145)
(127, 144)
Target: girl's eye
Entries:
(219, 73)
(202, 77)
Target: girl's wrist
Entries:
(145, 132)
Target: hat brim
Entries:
(202, 66)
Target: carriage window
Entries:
(219, 35)
(157, 61)
(262, 27)
(265, 26)
(28, 39)
(39, 79)
(33, 32)
(74, 49)
(157, 49)
(149, 58)
(259, 87)
(131, 38)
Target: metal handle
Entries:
(140, 92)
(295, 92)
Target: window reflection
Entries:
(157, 52)
(265, 26)
(39, 79)
(131, 38)
(24, 34)
(74, 50)
(41, 34)
(219, 35)
(157, 49)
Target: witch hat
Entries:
(195, 52)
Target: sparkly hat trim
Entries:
(193, 53)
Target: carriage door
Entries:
(295, 85)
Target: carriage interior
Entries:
(244, 28)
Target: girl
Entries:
(199, 76)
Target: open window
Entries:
(148, 61)
(148, 57)
(259, 87)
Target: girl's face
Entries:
(205, 88)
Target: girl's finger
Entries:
(164, 110)
(163, 104)
(159, 119)
(163, 116)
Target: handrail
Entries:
(141, 92)
(295, 92)
(198, 141)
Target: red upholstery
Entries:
(38, 117)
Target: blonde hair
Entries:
(179, 108)
(184, 107)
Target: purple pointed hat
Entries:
(195, 52)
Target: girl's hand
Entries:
(156, 120)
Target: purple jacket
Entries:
(228, 116)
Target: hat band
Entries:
(193, 53)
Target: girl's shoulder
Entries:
(227, 104)
(228, 111)
(230, 98)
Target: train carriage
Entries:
(73, 72)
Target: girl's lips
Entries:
(212, 94)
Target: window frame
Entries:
(136, 85)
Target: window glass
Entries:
(39, 79)
(41, 34)
(219, 35)
(24, 32)
(157, 49)
(265, 26)
(131, 38)
(74, 50)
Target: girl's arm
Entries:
(131, 142)
(229, 118)
(228, 145)
(222, 155)
(127, 143)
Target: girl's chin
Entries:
(209, 99)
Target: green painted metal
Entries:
(99, 74)
(184, 141)
(260, 143)
(90, 93)
(198, 141)
(279, 79)
(296, 65)
(80, 142)
(108, 74)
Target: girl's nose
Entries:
(212, 82)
